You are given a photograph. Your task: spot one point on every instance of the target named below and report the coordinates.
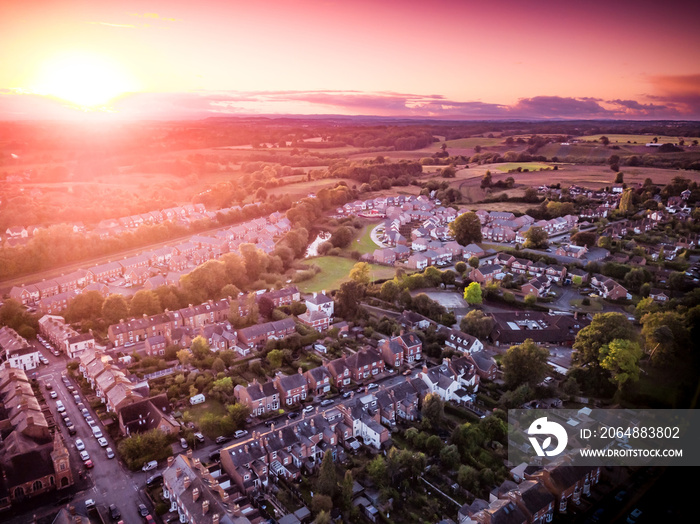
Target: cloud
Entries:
(679, 91)
(108, 24)
(153, 16)
(560, 107)
(201, 104)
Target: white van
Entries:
(197, 399)
(96, 432)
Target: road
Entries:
(109, 481)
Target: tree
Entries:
(477, 324)
(621, 357)
(472, 294)
(218, 366)
(603, 329)
(535, 238)
(474, 262)
(323, 517)
(584, 238)
(449, 456)
(389, 291)
(525, 363)
(486, 181)
(619, 179)
(530, 299)
(360, 273)
(86, 306)
(627, 202)
(665, 335)
(376, 469)
(342, 237)
(326, 482)
(321, 504)
(115, 309)
(200, 348)
(144, 303)
(349, 297)
(605, 242)
(461, 267)
(466, 228)
(346, 489)
(468, 478)
(265, 306)
(433, 409)
(604, 140)
(275, 357)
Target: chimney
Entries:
(215, 518)
(272, 427)
(171, 460)
(245, 447)
(205, 507)
(178, 472)
(187, 482)
(71, 509)
(78, 519)
(299, 370)
(425, 369)
(224, 496)
(145, 315)
(196, 462)
(195, 494)
(280, 433)
(189, 453)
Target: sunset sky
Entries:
(634, 59)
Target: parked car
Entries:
(221, 439)
(90, 503)
(154, 479)
(44, 360)
(71, 429)
(293, 415)
(308, 409)
(327, 402)
(84, 455)
(143, 510)
(621, 495)
(148, 466)
(199, 437)
(634, 516)
(85, 412)
(407, 372)
(372, 386)
(110, 453)
(88, 464)
(114, 512)
(79, 444)
(53, 394)
(240, 433)
(48, 385)
(102, 442)
(184, 443)
(347, 394)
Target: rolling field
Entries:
(363, 241)
(531, 166)
(639, 139)
(335, 271)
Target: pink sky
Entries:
(441, 58)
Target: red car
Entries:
(149, 520)
(89, 464)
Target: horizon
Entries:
(450, 60)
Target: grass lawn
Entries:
(363, 243)
(335, 271)
(462, 143)
(595, 306)
(194, 413)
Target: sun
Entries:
(83, 79)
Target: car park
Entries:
(240, 433)
(102, 442)
(79, 444)
(84, 455)
(110, 453)
(148, 466)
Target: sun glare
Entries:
(85, 80)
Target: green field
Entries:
(531, 166)
(335, 271)
(639, 139)
(363, 242)
(467, 143)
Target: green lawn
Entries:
(462, 143)
(335, 271)
(194, 413)
(363, 243)
(531, 166)
(595, 306)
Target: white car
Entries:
(308, 409)
(79, 444)
(110, 453)
(53, 394)
(90, 503)
(102, 442)
(84, 455)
